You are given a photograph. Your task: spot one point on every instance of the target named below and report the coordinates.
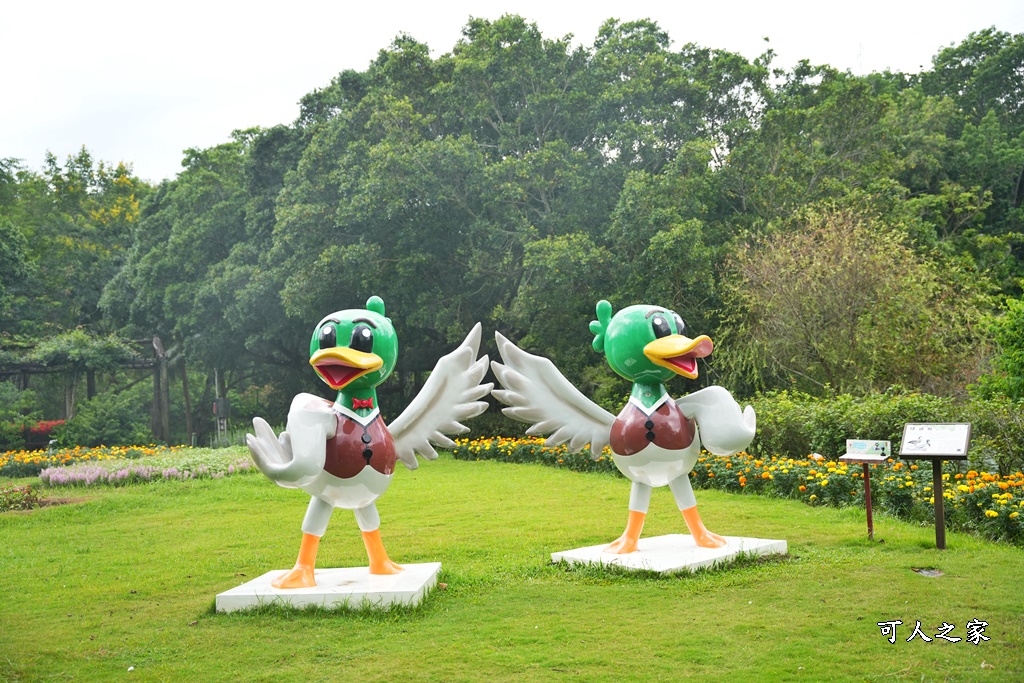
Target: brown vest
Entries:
(354, 446)
(667, 427)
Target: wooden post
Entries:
(867, 501)
(161, 394)
(937, 441)
(188, 401)
(868, 455)
(165, 402)
(154, 423)
(70, 380)
(940, 510)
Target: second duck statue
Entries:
(655, 440)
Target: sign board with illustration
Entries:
(942, 441)
(864, 451)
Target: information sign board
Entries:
(942, 441)
(864, 451)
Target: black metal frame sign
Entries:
(945, 441)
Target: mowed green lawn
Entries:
(127, 578)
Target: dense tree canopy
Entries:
(518, 178)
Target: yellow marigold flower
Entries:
(813, 497)
(991, 513)
(962, 489)
(1014, 515)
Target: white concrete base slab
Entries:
(351, 587)
(672, 553)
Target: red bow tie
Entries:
(358, 403)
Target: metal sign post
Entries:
(936, 442)
(867, 453)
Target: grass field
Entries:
(126, 577)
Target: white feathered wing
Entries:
(538, 394)
(452, 393)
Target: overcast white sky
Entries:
(141, 81)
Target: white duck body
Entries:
(657, 466)
(301, 457)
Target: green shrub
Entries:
(15, 415)
(17, 498)
(792, 424)
(110, 419)
(494, 423)
(12, 435)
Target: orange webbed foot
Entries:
(622, 545)
(627, 542)
(708, 539)
(301, 576)
(385, 567)
(380, 563)
(701, 536)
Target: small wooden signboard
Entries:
(867, 453)
(936, 442)
(872, 452)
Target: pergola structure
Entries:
(22, 372)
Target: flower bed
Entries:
(185, 464)
(30, 463)
(980, 502)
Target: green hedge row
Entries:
(793, 425)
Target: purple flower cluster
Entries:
(93, 475)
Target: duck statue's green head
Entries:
(647, 344)
(356, 348)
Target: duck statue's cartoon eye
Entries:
(328, 337)
(362, 339)
(680, 325)
(660, 326)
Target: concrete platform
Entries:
(672, 553)
(351, 587)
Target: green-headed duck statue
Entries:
(655, 440)
(341, 453)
